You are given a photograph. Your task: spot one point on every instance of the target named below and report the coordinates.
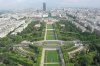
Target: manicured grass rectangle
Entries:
(50, 32)
(50, 37)
(51, 56)
(51, 65)
(51, 44)
(49, 26)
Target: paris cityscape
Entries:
(64, 36)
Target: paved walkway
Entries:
(76, 50)
(61, 56)
(50, 29)
(42, 58)
(20, 48)
(45, 32)
(52, 63)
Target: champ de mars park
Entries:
(59, 37)
(49, 42)
(52, 49)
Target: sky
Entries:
(37, 4)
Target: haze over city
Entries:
(36, 4)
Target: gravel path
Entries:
(45, 33)
(76, 50)
(42, 58)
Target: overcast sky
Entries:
(37, 4)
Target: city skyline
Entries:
(37, 4)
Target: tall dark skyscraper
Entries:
(44, 6)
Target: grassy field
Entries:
(51, 65)
(49, 26)
(52, 44)
(51, 56)
(50, 32)
(50, 35)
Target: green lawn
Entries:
(51, 56)
(50, 35)
(51, 44)
(68, 45)
(50, 32)
(49, 26)
(71, 49)
(51, 65)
